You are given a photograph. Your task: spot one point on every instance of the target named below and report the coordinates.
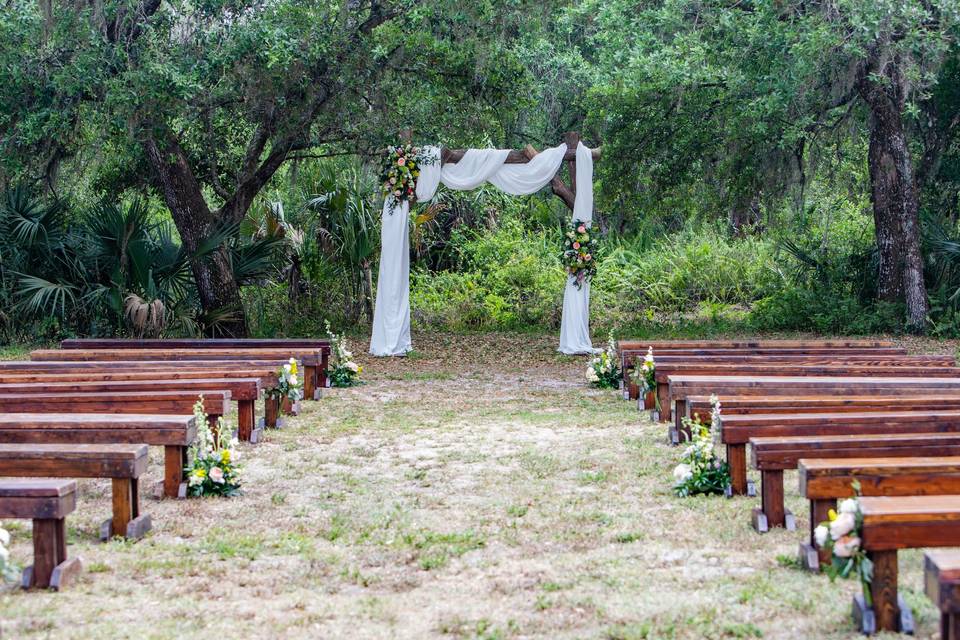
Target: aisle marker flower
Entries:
(213, 470)
(603, 370)
(700, 470)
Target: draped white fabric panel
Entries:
(391, 318)
(575, 321)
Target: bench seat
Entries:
(941, 582)
(47, 502)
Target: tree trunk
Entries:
(216, 286)
(894, 194)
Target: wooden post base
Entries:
(763, 524)
(809, 557)
(174, 463)
(865, 618)
(136, 528)
(62, 576)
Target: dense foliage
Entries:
(173, 167)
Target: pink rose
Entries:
(581, 229)
(216, 474)
(587, 257)
(401, 161)
(576, 245)
(846, 546)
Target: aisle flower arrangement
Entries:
(840, 534)
(604, 370)
(401, 168)
(289, 383)
(8, 572)
(578, 257)
(213, 470)
(645, 376)
(700, 470)
(343, 371)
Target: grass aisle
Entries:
(477, 489)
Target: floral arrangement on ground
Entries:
(700, 470)
(213, 469)
(578, 257)
(401, 168)
(603, 371)
(343, 371)
(289, 383)
(645, 376)
(840, 534)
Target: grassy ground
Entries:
(477, 489)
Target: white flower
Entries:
(292, 361)
(4, 537)
(286, 368)
(682, 472)
(293, 380)
(592, 375)
(216, 474)
(844, 524)
(195, 479)
(352, 366)
(820, 535)
(846, 546)
(848, 506)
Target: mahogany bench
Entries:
(825, 480)
(47, 502)
(941, 581)
(122, 463)
(892, 523)
(173, 433)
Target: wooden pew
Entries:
(941, 583)
(216, 403)
(629, 360)
(892, 523)
(244, 391)
(47, 502)
(173, 433)
(736, 432)
(312, 360)
(664, 372)
(681, 387)
(122, 463)
(698, 407)
(825, 480)
(314, 378)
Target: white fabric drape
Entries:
(391, 317)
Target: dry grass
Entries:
(474, 490)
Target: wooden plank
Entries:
(215, 402)
(239, 388)
(881, 476)
(910, 522)
(748, 343)
(37, 498)
(738, 429)
(311, 357)
(194, 343)
(664, 371)
(73, 460)
(746, 405)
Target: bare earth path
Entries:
(476, 490)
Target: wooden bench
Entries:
(699, 407)
(312, 360)
(681, 387)
(216, 403)
(941, 582)
(737, 431)
(47, 502)
(825, 480)
(173, 433)
(122, 463)
(244, 391)
(311, 383)
(665, 372)
(892, 523)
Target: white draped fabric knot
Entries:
(391, 317)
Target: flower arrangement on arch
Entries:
(343, 371)
(700, 470)
(213, 469)
(840, 534)
(8, 572)
(604, 370)
(645, 376)
(578, 257)
(401, 168)
(289, 383)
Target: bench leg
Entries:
(174, 462)
(246, 419)
(663, 393)
(950, 626)
(634, 390)
(737, 459)
(127, 522)
(271, 411)
(772, 512)
(883, 590)
(322, 381)
(812, 558)
(49, 550)
(309, 382)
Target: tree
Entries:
(202, 103)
